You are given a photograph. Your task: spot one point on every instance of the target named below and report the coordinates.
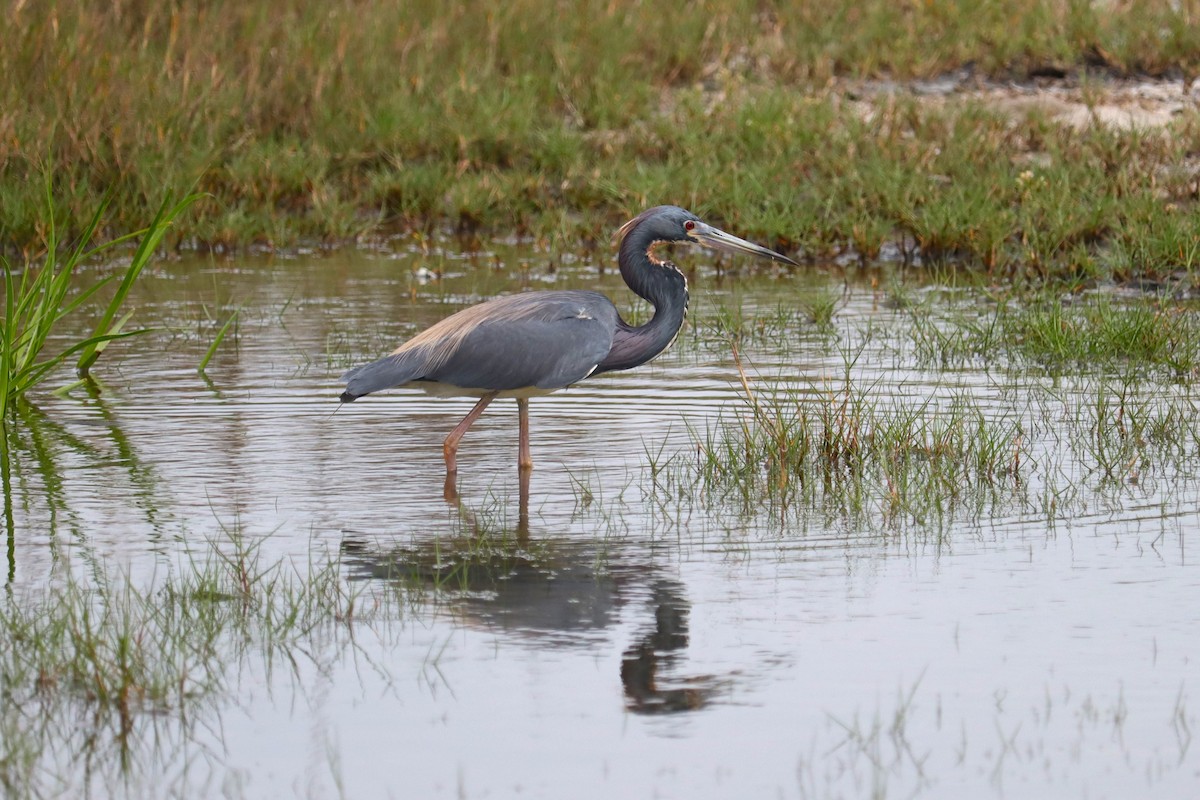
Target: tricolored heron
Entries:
(534, 343)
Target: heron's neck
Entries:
(665, 288)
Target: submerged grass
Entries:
(858, 456)
(1019, 405)
(109, 654)
(1095, 333)
(1127, 436)
(784, 325)
(836, 446)
(302, 121)
(216, 343)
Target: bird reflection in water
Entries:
(450, 495)
(656, 652)
(548, 590)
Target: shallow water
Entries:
(627, 630)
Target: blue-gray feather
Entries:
(540, 340)
(541, 354)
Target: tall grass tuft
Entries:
(1141, 335)
(834, 447)
(42, 297)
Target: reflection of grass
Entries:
(908, 744)
(36, 459)
(36, 304)
(1124, 435)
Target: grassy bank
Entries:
(307, 120)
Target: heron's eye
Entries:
(690, 225)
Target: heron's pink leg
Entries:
(450, 446)
(524, 459)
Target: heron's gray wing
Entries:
(543, 340)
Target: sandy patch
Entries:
(1121, 105)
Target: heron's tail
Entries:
(389, 371)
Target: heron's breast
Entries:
(438, 389)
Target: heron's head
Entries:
(675, 224)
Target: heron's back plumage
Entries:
(534, 340)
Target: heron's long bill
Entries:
(717, 239)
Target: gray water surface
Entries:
(629, 630)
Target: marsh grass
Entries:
(1095, 333)
(111, 653)
(46, 294)
(867, 454)
(837, 446)
(216, 342)
(1127, 435)
(302, 122)
(821, 308)
(781, 326)
(485, 549)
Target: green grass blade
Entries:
(8, 333)
(33, 374)
(145, 251)
(120, 240)
(114, 332)
(85, 295)
(34, 305)
(212, 349)
(33, 315)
